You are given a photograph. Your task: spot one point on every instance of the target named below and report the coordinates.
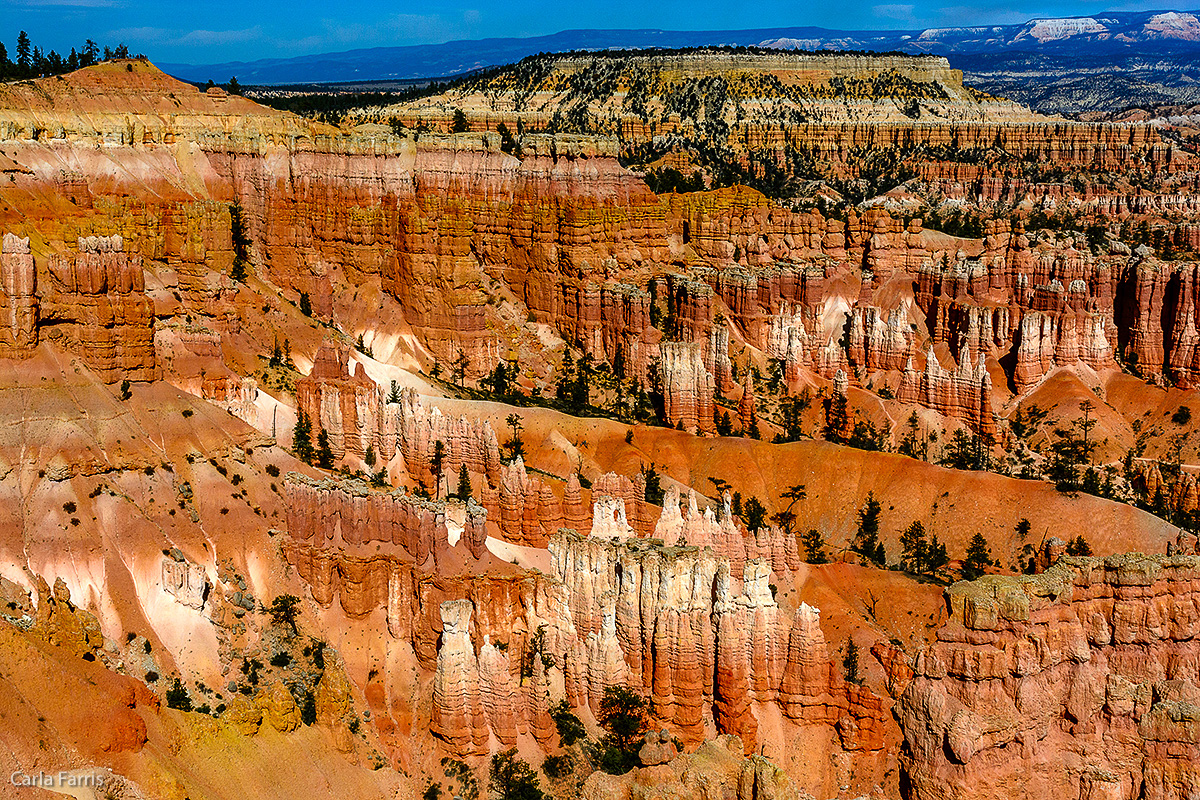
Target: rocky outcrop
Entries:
(18, 293)
(413, 430)
(458, 716)
(95, 305)
(963, 392)
(688, 387)
(349, 408)
(748, 405)
(675, 620)
(608, 520)
(524, 506)
(185, 581)
(719, 762)
(503, 706)
(631, 494)
(690, 526)
(1080, 681)
(351, 514)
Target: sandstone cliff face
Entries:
(349, 408)
(526, 509)
(94, 305)
(674, 619)
(687, 525)
(458, 712)
(19, 334)
(964, 392)
(351, 514)
(578, 240)
(688, 387)
(1080, 681)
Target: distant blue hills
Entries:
(1104, 36)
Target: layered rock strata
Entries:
(95, 305)
(1080, 681)
(673, 618)
(18, 293)
(350, 513)
(688, 387)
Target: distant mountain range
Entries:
(1154, 34)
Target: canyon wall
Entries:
(1081, 681)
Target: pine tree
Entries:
(936, 556)
(24, 55)
(302, 439)
(850, 663)
(436, 463)
(241, 244)
(461, 364)
(914, 548)
(324, 452)
(814, 547)
(866, 541)
(464, 482)
(566, 378)
(836, 418)
(369, 458)
(754, 514)
(979, 557)
(1079, 547)
(305, 304)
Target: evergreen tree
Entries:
(965, 451)
(369, 458)
(866, 541)
(513, 779)
(436, 464)
(24, 54)
(753, 514)
(460, 124)
(324, 452)
(581, 389)
(1079, 547)
(936, 557)
(850, 662)
(241, 244)
(979, 557)
(836, 417)
(515, 446)
(305, 304)
(566, 377)
(464, 482)
(654, 492)
(723, 423)
(624, 715)
(914, 548)
(910, 445)
(394, 393)
(814, 547)
(459, 369)
(302, 439)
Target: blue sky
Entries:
(231, 30)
